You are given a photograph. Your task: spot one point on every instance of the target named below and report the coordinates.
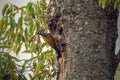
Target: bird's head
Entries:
(42, 32)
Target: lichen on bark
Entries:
(89, 36)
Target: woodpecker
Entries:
(50, 40)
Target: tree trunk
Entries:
(86, 35)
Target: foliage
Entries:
(105, 3)
(18, 28)
(8, 67)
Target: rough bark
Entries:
(86, 35)
(118, 56)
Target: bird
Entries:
(49, 39)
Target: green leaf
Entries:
(15, 37)
(43, 45)
(48, 53)
(15, 58)
(115, 5)
(43, 5)
(29, 5)
(18, 48)
(12, 22)
(118, 69)
(26, 45)
(41, 57)
(19, 37)
(4, 23)
(43, 1)
(103, 4)
(32, 11)
(24, 77)
(119, 7)
(9, 10)
(5, 46)
(38, 26)
(28, 51)
(23, 9)
(20, 20)
(99, 1)
(1, 33)
(12, 64)
(23, 38)
(118, 1)
(38, 67)
(31, 28)
(26, 33)
(16, 9)
(23, 67)
(33, 47)
(4, 9)
(30, 76)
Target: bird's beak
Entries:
(38, 32)
(41, 32)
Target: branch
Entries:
(118, 56)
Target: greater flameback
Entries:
(50, 40)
